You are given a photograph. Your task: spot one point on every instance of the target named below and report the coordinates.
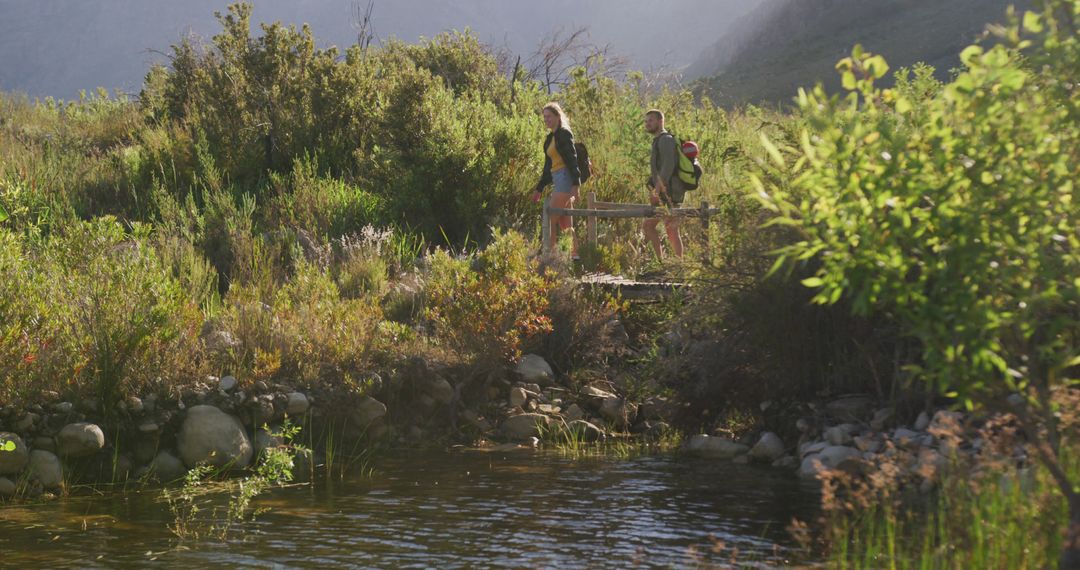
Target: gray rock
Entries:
(518, 396)
(944, 419)
(535, 369)
(45, 466)
(839, 435)
(803, 425)
(618, 411)
(14, 461)
(441, 391)
(658, 408)
(922, 422)
(741, 459)
(209, 435)
(265, 439)
(715, 447)
(221, 341)
(297, 404)
(524, 426)
(574, 412)
(63, 407)
(587, 431)
(769, 448)
(812, 447)
(594, 392)
(149, 426)
(227, 383)
(786, 462)
(45, 442)
(368, 410)
(867, 444)
(26, 422)
(134, 404)
(166, 467)
(832, 457)
(850, 408)
(904, 436)
(881, 417)
(80, 440)
(7, 488)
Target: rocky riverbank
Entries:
(56, 445)
(226, 422)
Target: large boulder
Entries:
(768, 449)
(619, 411)
(7, 488)
(524, 426)
(832, 457)
(715, 447)
(14, 454)
(585, 430)
(518, 397)
(80, 440)
(533, 368)
(166, 467)
(45, 466)
(297, 404)
(441, 391)
(211, 436)
(368, 410)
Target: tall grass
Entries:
(1000, 516)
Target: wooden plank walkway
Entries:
(631, 289)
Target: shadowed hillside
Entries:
(786, 44)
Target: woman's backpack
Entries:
(584, 164)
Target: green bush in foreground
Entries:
(959, 216)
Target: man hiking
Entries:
(666, 188)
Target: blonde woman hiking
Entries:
(561, 170)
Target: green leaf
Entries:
(848, 81)
(8, 446)
(1033, 22)
(969, 55)
(774, 152)
(813, 282)
(3, 213)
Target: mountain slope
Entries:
(787, 44)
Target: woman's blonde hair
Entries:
(554, 107)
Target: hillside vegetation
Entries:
(786, 44)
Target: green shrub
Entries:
(483, 306)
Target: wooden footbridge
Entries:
(595, 210)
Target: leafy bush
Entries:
(483, 306)
(958, 216)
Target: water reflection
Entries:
(448, 510)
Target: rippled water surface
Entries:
(447, 510)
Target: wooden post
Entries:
(590, 222)
(706, 251)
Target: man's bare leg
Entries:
(649, 227)
(671, 226)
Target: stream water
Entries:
(448, 510)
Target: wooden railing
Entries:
(595, 209)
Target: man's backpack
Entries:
(584, 164)
(689, 169)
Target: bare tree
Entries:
(562, 51)
(362, 23)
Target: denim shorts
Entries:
(562, 180)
